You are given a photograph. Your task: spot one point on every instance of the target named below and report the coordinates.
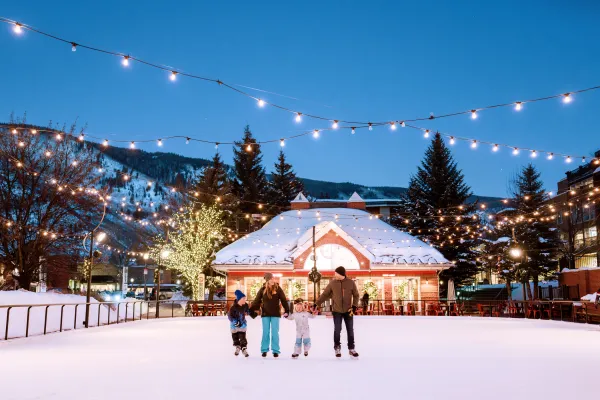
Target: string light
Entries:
(495, 148)
(14, 131)
(403, 124)
(187, 140)
(132, 145)
(353, 130)
(568, 159)
(299, 117)
(474, 144)
(316, 133)
(393, 125)
(173, 76)
(518, 106)
(18, 28)
(550, 156)
(125, 61)
(261, 103)
(370, 126)
(159, 143)
(21, 143)
(33, 131)
(452, 141)
(516, 151)
(282, 143)
(335, 124)
(73, 46)
(567, 98)
(426, 134)
(58, 136)
(248, 148)
(81, 137)
(105, 143)
(533, 154)
(48, 153)
(473, 114)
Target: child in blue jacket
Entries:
(237, 317)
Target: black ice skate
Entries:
(264, 354)
(306, 354)
(237, 350)
(353, 353)
(245, 353)
(338, 352)
(275, 355)
(295, 356)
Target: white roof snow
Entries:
(355, 198)
(301, 198)
(289, 234)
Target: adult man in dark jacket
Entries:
(344, 297)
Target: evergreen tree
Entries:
(530, 243)
(214, 185)
(285, 185)
(434, 210)
(250, 184)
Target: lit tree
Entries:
(250, 183)
(434, 209)
(192, 244)
(40, 177)
(214, 185)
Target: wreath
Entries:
(371, 289)
(401, 291)
(254, 288)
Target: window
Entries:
(405, 289)
(592, 232)
(252, 285)
(294, 288)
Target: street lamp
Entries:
(164, 254)
(88, 294)
(146, 257)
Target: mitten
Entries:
(237, 324)
(285, 315)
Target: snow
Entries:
(18, 315)
(277, 242)
(399, 357)
(355, 198)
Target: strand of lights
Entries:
(126, 59)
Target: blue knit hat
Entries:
(239, 295)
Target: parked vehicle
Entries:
(166, 292)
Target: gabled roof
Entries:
(355, 198)
(301, 198)
(290, 233)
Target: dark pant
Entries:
(239, 339)
(337, 322)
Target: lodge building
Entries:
(387, 263)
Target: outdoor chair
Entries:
(480, 310)
(499, 310)
(533, 311)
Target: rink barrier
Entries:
(558, 310)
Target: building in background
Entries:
(387, 263)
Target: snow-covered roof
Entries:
(300, 198)
(355, 198)
(286, 236)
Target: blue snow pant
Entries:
(298, 345)
(270, 327)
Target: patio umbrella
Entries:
(451, 293)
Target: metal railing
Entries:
(559, 310)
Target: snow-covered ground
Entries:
(18, 315)
(401, 357)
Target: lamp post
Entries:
(162, 255)
(146, 256)
(314, 276)
(88, 294)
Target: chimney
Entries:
(355, 201)
(300, 202)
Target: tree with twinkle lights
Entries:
(434, 209)
(285, 185)
(250, 184)
(192, 243)
(47, 199)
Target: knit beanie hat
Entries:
(341, 271)
(239, 295)
(268, 276)
(298, 301)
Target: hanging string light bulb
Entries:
(187, 140)
(353, 130)
(473, 114)
(14, 131)
(282, 143)
(474, 144)
(48, 153)
(159, 143)
(261, 103)
(73, 46)
(316, 133)
(34, 131)
(533, 154)
(173, 76)
(402, 124)
(550, 156)
(249, 148)
(518, 106)
(105, 143)
(370, 126)
(335, 124)
(81, 137)
(452, 141)
(567, 98)
(495, 148)
(515, 151)
(18, 28)
(132, 145)
(426, 133)
(299, 117)
(393, 125)
(58, 136)
(568, 159)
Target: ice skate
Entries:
(237, 350)
(295, 356)
(353, 353)
(276, 355)
(264, 354)
(245, 352)
(306, 354)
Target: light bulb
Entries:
(125, 177)
(583, 160)
(496, 147)
(452, 141)
(73, 46)
(261, 103)
(125, 61)
(316, 133)
(173, 76)
(248, 148)
(75, 163)
(105, 143)
(33, 131)
(567, 98)
(426, 134)
(335, 124)
(515, 151)
(298, 117)
(568, 159)
(550, 156)
(160, 143)
(518, 106)
(48, 153)
(21, 144)
(473, 114)
(353, 130)
(81, 137)
(474, 144)
(217, 146)
(132, 145)
(533, 154)
(402, 124)
(282, 143)
(370, 126)
(393, 125)
(187, 140)
(14, 131)
(18, 28)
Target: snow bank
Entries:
(18, 315)
(444, 358)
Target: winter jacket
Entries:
(237, 317)
(270, 306)
(302, 328)
(343, 295)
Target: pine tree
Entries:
(250, 184)
(434, 209)
(285, 185)
(535, 239)
(214, 185)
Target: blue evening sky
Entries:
(355, 60)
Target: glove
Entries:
(314, 306)
(352, 311)
(285, 315)
(237, 324)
